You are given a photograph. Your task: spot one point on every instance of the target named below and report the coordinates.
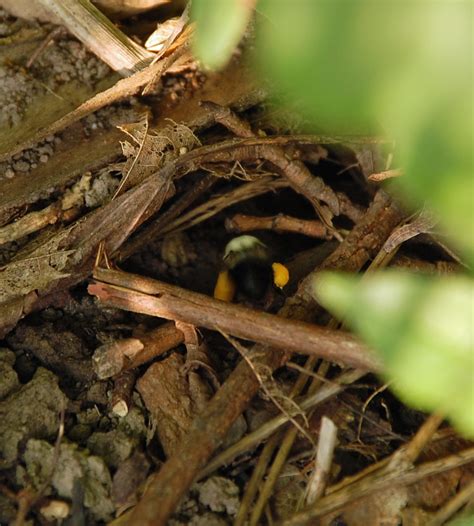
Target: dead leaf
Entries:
(151, 150)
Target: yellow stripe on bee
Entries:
(281, 275)
(225, 287)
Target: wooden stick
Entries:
(114, 358)
(347, 208)
(30, 223)
(410, 452)
(109, 358)
(155, 343)
(122, 393)
(211, 426)
(148, 296)
(280, 223)
(302, 180)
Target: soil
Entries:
(98, 466)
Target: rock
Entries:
(220, 495)
(31, 412)
(22, 166)
(117, 445)
(74, 466)
(8, 379)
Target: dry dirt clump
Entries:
(29, 412)
(66, 61)
(17, 91)
(30, 159)
(63, 62)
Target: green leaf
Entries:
(462, 521)
(423, 329)
(401, 67)
(220, 24)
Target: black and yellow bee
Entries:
(249, 270)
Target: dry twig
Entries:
(302, 180)
(148, 296)
(56, 32)
(122, 393)
(410, 452)
(32, 222)
(218, 203)
(279, 223)
(122, 355)
(110, 358)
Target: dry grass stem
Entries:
(216, 204)
(326, 444)
(259, 435)
(97, 33)
(379, 481)
(464, 496)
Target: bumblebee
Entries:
(248, 269)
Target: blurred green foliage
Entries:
(421, 327)
(402, 69)
(463, 521)
(220, 25)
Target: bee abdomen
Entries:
(253, 278)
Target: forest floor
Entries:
(116, 362)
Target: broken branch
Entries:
(113, 358)
(279, 223)
(148, 296)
